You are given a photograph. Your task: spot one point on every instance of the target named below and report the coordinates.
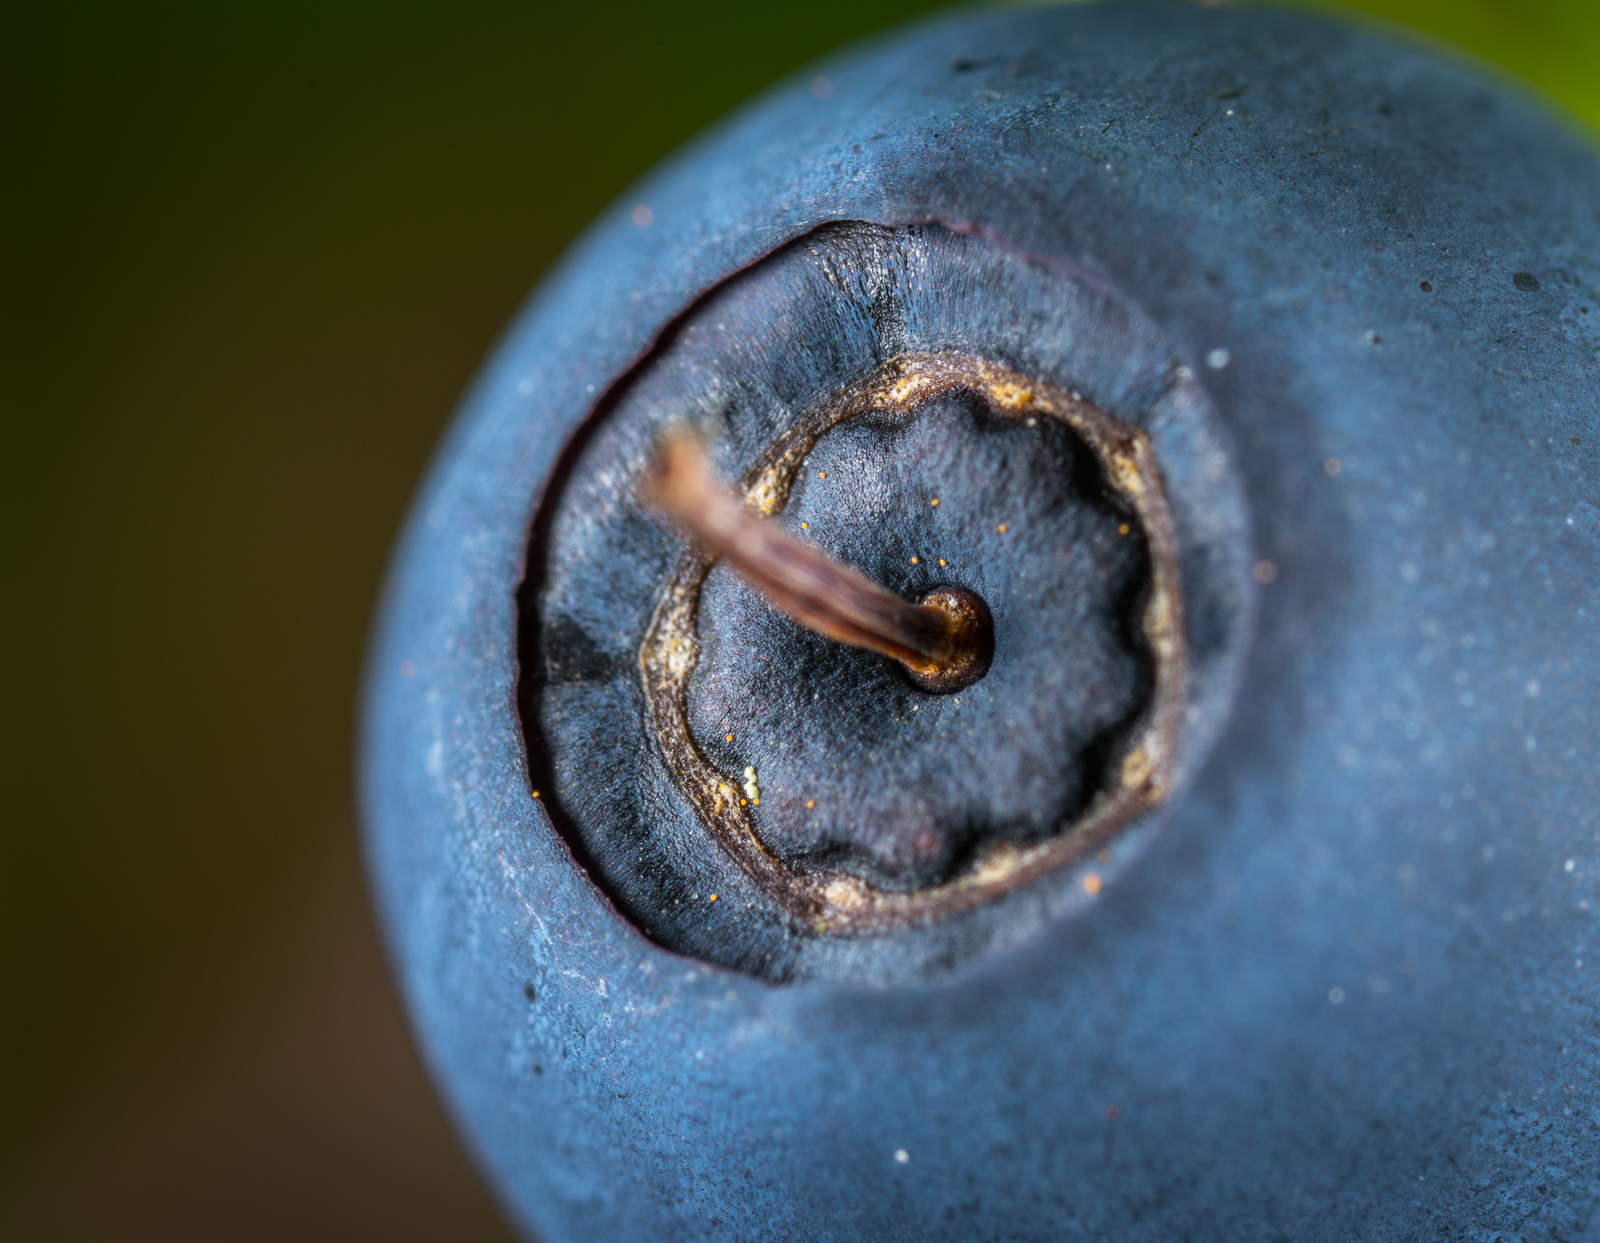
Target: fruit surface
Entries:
(1337, 984)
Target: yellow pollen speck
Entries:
(744, 802)
(1137, 766)
(730, 737)
(1123, 529)
(823, 473)
(536, 794)
(913, 561)
(805, 526)
(713, 897)
(936, 500)
(1092, 883)
(811, 802)
(1002, 528)
(942, 561)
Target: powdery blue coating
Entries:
(1350, 992)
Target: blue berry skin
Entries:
(1349, 991)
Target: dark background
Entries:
(252, 256)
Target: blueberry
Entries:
(1249, 892)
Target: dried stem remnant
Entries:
(943, 641)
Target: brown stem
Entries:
(943, 642)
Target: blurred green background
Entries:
(252, 256)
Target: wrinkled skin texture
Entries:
(1346, 991)
(896, 798)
